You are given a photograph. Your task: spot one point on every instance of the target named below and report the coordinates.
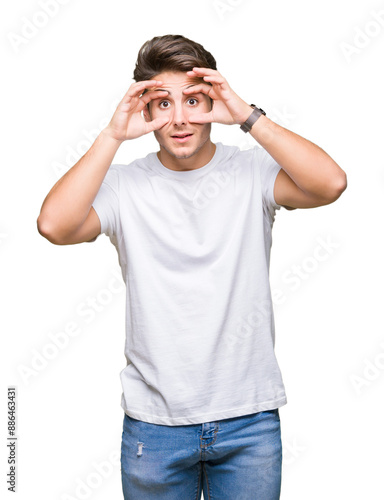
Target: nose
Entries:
(179, 115)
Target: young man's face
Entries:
(180, 139)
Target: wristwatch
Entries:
(255, 115)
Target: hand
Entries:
(127, 122)
(227, 107)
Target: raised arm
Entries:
(309, 177)
(67, 216)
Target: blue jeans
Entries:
(232, 459)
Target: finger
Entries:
(203, 71)
(201, 118)
(204, 88)
(137, 88)
(219, 80)
(156, 124)
(146, 98)
(140, 102)
(152, 95)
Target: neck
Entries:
(197, 160)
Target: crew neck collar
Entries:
(186, 174)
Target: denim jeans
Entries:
(232, 459)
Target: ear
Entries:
(146, 113)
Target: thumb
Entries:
(157, 123)
(201, 118)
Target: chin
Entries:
(183, 153)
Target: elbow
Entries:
(331, 191)
(48, 231)
(333, 188)
(340, 185)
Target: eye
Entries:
(164, 104)
(192, 101)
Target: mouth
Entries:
(181, 137)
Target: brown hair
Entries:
(170, 53)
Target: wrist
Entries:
(245, 113)
(107, 134)
(254, 116)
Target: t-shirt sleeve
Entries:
(268, 168)
(106, 203)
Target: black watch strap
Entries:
(255, 115)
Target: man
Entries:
(192, 227)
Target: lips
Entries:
(181, 137)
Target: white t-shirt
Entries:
(194, 249)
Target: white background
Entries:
(310, 66)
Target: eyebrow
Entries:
(170, 93)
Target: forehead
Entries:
(174, 80)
